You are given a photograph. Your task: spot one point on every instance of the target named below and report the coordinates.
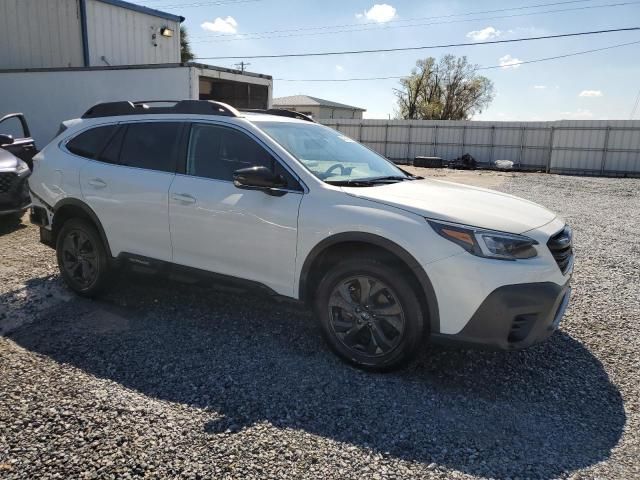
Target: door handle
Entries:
(97, 183)
(183, 198)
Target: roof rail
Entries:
(194, 107)
(280, 112)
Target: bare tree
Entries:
(186, 55)
(449, 89)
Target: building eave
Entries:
(296, 105)
(141, 9)
(204, 66)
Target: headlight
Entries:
(487, 243)
(22, 167)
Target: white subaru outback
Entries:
(386, 259)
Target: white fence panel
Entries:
(579, 147)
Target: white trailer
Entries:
(49, 96)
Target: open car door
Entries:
(15, 137)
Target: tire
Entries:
(82, 258)
(378, 331)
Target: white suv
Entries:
(385, 258)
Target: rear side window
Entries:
(152, 146)
(89, 144)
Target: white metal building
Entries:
(48, 97)
(318, 107)
(85, 33)
(60, 57)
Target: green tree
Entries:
(186, 55)
(449, 89)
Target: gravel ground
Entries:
(167, 380)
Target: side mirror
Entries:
(258, 178)
(6, 139)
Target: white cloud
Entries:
(509, 62)
(580, 114)
(221, 25)
(380, 13)
(339, 68)
(590, 93)
(484, 34)
(540, 87)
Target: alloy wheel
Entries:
(366, 316)
(79, 258)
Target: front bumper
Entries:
(514, 316)
(14, 193)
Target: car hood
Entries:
(453, 202)
(8, 161)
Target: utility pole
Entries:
(241, 65)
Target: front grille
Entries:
(561, 247)
(7, 180)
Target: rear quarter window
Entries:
(89, 144)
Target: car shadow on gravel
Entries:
(247, 359)
(10, 224)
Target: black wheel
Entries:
(369, 314)
(82, 257)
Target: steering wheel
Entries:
(329, 171)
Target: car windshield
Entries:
(331, 156)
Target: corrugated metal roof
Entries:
(141, 9)
(308, 101)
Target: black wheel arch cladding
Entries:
(426, 287)
(74, 203)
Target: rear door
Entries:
(127, 186)
(23, 145)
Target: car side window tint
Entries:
(204, 148)
(217, 152)
(111, 153)
(152, 146)
(91, 142)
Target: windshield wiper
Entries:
(390, 178)
(367, 182)
(350, 183)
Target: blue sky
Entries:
(601, 85)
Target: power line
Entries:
(427, 47)
(321, 27)
(635, 106)
(258, 36)
(584, 52)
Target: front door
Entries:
(218, 227)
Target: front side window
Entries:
(152, 146)
(331, 156)
(217, 152)
(12, 126)
(89, 144)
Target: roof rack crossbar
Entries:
(280, 112)
(193, 107)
